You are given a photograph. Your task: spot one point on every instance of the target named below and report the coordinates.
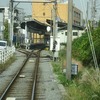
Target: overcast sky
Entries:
(27, 7)
(81, 4)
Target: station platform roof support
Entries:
(35, 26)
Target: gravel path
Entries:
(8, 74)
(48, 84)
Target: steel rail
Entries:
(35, 76)
(26, 52)
(12, 81)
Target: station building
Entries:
(44, 11)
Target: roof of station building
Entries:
(35, 26)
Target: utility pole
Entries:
(86, 21)
(93, 10)
(54, 25)
(87, 12)
(69, 40)
(11, 21)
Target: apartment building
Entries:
(43, 11)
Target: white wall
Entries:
(6, 13)
(63, 36)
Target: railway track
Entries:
(23, 84)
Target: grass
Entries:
(58, 70)
(7, 64)
(85, 86)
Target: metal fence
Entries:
(5, 54)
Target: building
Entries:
(5, 12)
(43, 12)
(3, 16)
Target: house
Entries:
(3, 17)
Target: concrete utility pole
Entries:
(54, 23)
(54, 20)
(69, 40)
(87, 12)
(11, 21)
(93, 11)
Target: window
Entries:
(66, 33)
(43, 13)
(75, 33)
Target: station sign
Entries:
(74, 70)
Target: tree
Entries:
(6, 31)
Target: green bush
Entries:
(81, 49)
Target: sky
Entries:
(28, 7)
(81, 4)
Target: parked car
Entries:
(3, 44)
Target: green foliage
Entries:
(62, 53)
(63, 80)
(81, 48)
(6, 31)
(87, 87)
(84, 86)
(57, 68)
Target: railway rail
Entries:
(23, 84)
